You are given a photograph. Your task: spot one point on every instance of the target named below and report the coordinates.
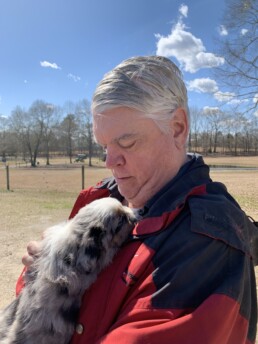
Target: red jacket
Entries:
(185, 276)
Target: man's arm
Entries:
(210, 298)
(217, 320)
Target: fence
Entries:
(54, 178)
(8, 177)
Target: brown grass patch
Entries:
(243, 185)
(241, 161)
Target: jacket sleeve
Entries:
(87, 196)
(217, 320)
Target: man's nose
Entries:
(114, 158)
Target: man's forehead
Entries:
(118, 113)
(116, 126)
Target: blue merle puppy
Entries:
(71, 258)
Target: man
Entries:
(186, 275)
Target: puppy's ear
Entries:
(96, 234)
(90, 250)
(58, 265)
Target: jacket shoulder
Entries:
(220, 218)
(86, 196)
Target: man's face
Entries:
(142, 158)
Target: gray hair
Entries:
(150, 84)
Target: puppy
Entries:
(71, 258)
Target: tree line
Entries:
(45, 130)
(223, 132)
(233, 128)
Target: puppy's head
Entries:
(98, 230)
(89, 241)
(106, 217)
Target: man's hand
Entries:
(33, 250)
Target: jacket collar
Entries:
(192, 174)
(151, 224)
(168, 203)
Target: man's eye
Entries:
(127, 145)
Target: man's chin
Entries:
(127, 193)
(133, 201)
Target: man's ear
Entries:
(180, 127)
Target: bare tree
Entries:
(3, 136)
(84, 118)
(29, 132)
(51, 123)
(254, 133)
(236, 122)
(196, 120)
(216, 121)
(68, 128)
(46, 115)
(239, 48)
(32, 127)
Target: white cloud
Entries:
(47, 64)
(244, 32)
(222, 30)
(224, 96)
(207, 85)
(255, 98)
(183, 9)
(203, 85)
(73, 77)
(236, 101)
(229, 98)
(209, 110)
(187, 49)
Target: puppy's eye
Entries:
(93, 252)
(122, 220)
(68, 259)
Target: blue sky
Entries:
(58, 50)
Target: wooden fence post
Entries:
(7, 177)
(82, 177)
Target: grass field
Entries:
(41, 196)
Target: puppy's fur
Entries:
(72, 256)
